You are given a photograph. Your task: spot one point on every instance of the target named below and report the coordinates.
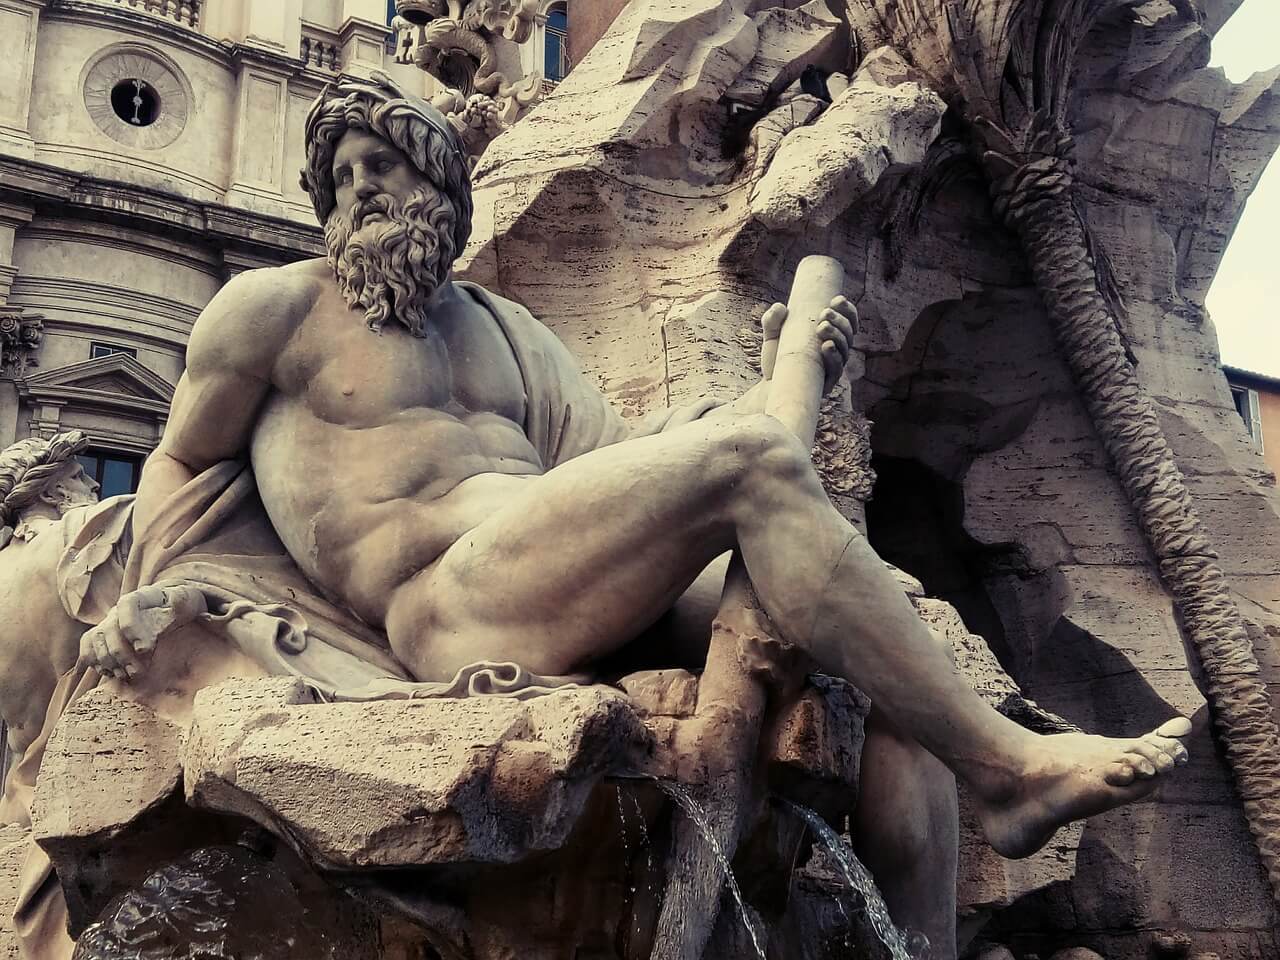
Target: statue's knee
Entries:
(772, 453)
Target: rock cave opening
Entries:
(915, 521)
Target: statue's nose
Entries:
(365, 185)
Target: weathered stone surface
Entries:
(107, 800)
(818, 171)
(109, 762)
(406, 783)
(14, 841)
(1021, 526)
(662, 693)
(818, 740)
(788, 41)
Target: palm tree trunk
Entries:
(1035, 202)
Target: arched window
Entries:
(557, 46)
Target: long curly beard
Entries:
(390, 268)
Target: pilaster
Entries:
(13, 217)
(262, 96)
(19, 29)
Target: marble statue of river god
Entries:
(435, 464)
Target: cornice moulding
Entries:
(60, 192)
(138, 26)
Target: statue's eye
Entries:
(386, 166)
(344, 177)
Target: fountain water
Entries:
(901, 945)
(694, 812)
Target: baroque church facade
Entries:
(149, 151)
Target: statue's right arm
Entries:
(230, 356)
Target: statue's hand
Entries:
(836, 327)
(122, 644)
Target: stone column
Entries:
(19, 25)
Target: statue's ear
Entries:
(53, 494)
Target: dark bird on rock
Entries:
(814, 82)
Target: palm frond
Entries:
(947, 162)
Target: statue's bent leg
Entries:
(573, 564)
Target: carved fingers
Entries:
(837, 325)
(122, 644)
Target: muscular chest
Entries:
(356, 377)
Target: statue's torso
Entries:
(375, 452)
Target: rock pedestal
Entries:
(504, 827)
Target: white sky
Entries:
(1245, 297)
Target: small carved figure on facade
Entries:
(458, 44)
(62, 558)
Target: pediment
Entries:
(111, 384)
(118, 375)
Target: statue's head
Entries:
(44, 473)
(389, 180)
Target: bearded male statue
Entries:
(435, 464)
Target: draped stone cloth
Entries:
(214, 534)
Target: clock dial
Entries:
(135, 97)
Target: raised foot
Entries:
(1074, 776)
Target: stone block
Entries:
(109, 761)
(407, 783)
(662, 693)
(820, 170)
(817, 741)
(788, 41)
(107, 801)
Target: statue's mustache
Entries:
(383, 203)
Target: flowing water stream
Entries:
(900, 945)
(693, 810)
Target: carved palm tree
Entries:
(1005, 67)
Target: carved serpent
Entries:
(1034, 201)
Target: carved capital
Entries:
(21, 333)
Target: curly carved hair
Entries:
(27, 467)
(407, 122)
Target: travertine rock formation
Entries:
(636, 177)
(444, 810)
(13, 844)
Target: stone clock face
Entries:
(136, 98)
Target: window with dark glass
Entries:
(557, 47)
(117, 473)
(98, 350)
(391, 10)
